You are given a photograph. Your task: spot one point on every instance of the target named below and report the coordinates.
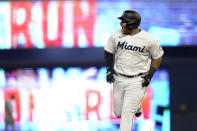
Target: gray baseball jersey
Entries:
(133, 53)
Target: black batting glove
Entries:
(146, 81)
(110, 77)
(147, 78)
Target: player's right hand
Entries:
(110, 77)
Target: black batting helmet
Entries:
(131, 18)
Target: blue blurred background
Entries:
(77, 99)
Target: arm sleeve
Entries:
(110, 45)
(156, 50)
(108, 61)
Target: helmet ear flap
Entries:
(131, 26)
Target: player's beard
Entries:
(125, 31)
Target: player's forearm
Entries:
(156, 63)
(154, 66)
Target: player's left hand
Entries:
(147, 78)
(146, 81)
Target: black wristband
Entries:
(151, 72)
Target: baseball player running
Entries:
(132, 56)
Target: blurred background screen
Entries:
(89, 23)
(76, 99)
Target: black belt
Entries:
(131, 76)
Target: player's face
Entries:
(124, 29)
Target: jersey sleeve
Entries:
(110, 45)
(156, 50)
